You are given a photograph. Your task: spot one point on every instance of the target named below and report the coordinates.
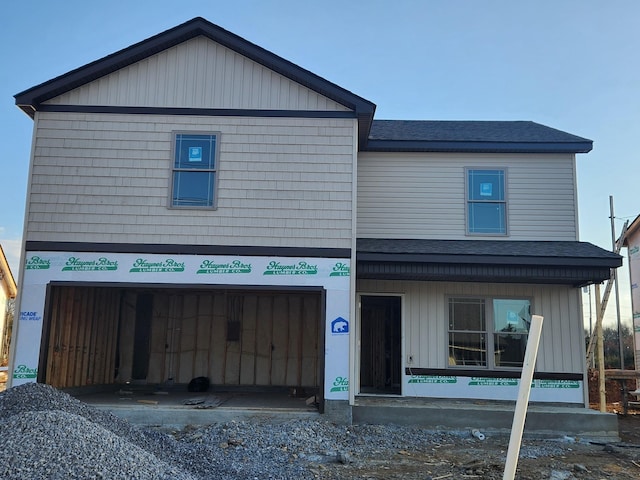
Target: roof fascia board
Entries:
(476, 147)
(490, 259)
(211, 112)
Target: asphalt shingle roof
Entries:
(490, 251)
(472, 136)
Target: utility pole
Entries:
(615, 283)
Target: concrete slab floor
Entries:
(157, 406)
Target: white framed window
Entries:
(486, 202)
(487, 332)
(195, 170)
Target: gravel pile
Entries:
(49, 434)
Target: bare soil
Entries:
(470, 458)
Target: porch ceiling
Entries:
(500, 261)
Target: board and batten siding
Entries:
(425, 317)
(422, 195)
(106, 178)
(198, 73)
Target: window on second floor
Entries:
(488, 332)
(486, 202)
(194, 172)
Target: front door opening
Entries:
(380, 344)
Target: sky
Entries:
(572, 65)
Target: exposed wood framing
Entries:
(91, 337)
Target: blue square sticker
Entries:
(195, 154)
(486, 189)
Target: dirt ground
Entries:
(470, 458)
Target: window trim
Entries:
(215, 170)
(468, 201)
(489, 330)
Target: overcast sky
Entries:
(570, 64)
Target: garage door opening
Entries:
(247, 340)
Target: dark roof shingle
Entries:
(472, 136)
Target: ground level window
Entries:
(499, 342)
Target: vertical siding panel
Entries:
(565, 331)
(427, 329)
(544, 307)
(578, 348)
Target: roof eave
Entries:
(376, 145)
(605, 262)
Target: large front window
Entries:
(486, 202)
(194, 170)
(488, 332)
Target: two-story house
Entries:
(199, 206)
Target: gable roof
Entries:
(30, 100)
(472, 136)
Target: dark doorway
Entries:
(380, 340)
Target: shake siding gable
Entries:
(106, 178)
(422, 195)
(198, 73)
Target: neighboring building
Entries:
(632, 242)
(8, 292)
(199, 206)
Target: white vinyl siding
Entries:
(426, 305)
(198, 73)
(106, 178)
(422, 195)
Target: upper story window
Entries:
(488, 332)
(486, 202)
(194, 170)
